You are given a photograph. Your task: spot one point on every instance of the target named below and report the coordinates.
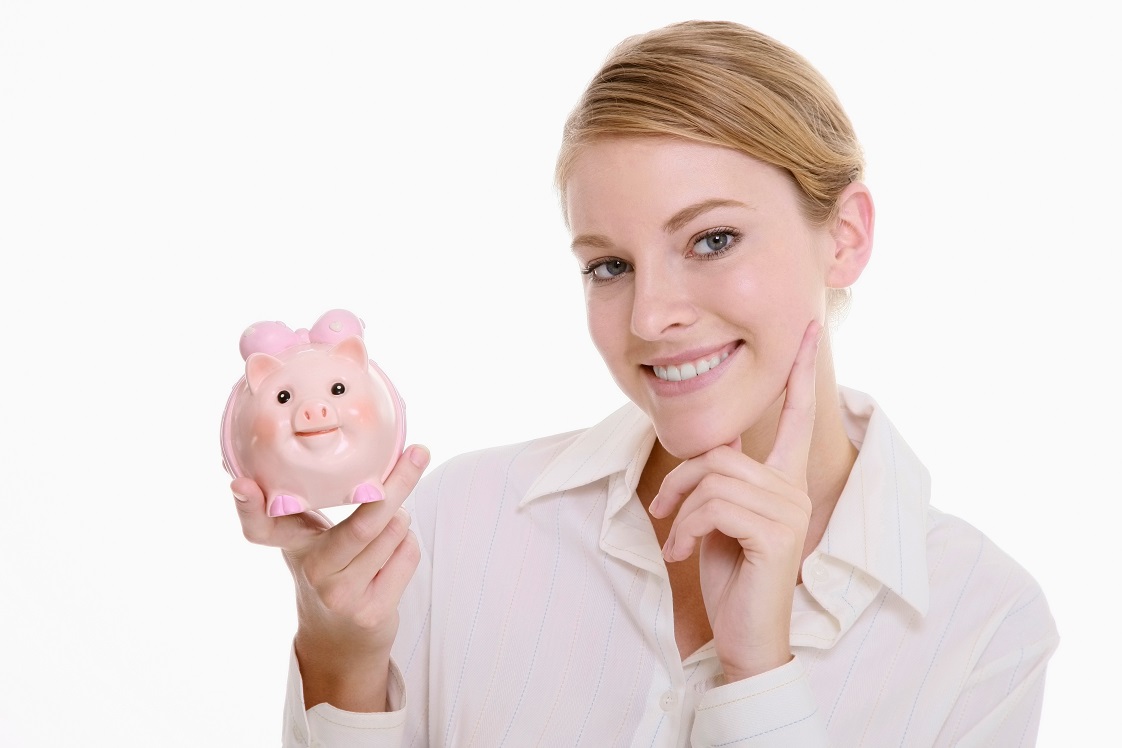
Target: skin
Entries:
(349, 580)
(751, 456)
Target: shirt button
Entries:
(668, 701)
(819, 570)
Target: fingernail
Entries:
(419, 456)
(401, 512)
(241, 498)
(653, 507)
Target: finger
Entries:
(293, 532)
(787, 507)
(791, 450)
(759, 535)
(725, 460)
(343, 590)
(383, 593)
(349, 537)
(377, 552)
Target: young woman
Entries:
(743, 555)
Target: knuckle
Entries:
(410, 550)
(334, 596)
(708, 485)
(374, 616)
(362, 528)
(398, 526)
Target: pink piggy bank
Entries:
(314, 421)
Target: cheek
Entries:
(362, 412)
(608, 324)
(269, 426)
(362, 417)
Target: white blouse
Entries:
(541, 615)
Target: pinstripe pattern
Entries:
(540, 616)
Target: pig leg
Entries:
(367, 492)
(283, 504)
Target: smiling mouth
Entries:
(690, 369)
(317, 433)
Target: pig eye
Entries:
(284, 396)
(338, 388)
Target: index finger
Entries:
(791, 450)
(347, 539)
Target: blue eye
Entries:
(607, 269)
(715, 242)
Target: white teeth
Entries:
(688, 370)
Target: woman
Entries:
(744, 554)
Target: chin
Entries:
(685, 441)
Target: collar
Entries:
(618, 444)
(877, 534)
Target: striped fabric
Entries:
(542, 615)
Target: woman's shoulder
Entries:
(970, 575)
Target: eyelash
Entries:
(734, 239)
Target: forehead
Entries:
(654, 178)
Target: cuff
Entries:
(324, 725)
(776, 708)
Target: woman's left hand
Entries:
(751, 521)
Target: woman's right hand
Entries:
(349, 579)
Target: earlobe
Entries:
(853, 236)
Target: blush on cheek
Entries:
(362, 413)
(266, 428)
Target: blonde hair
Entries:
(727, 85)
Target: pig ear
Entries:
(257, 367)
(353, 348)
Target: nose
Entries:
(313, 413)
(662, 303)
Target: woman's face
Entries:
(701, 276)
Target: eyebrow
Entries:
(676, 221)
(687, 214)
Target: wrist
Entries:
(349, 678)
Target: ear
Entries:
(852, 232)
(259, 366)
(352, 348)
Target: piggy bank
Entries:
(314, 421)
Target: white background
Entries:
(171, 172)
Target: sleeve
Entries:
(1000, 701)
(324, 725)
(776, 708)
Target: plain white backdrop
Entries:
(171, 172)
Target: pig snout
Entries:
(314, 417)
